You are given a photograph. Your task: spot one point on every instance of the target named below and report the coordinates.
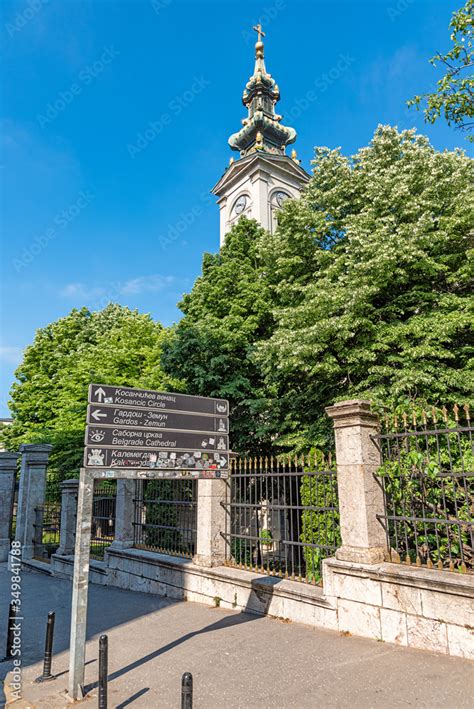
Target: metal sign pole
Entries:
(80, 586)
(181, 436)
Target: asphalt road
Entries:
(237, 660)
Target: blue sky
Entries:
(115, 118)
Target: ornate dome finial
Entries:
(259, 53)
(262, 129)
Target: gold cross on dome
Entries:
(261, 33)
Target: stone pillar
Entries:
(67, 539)
(31, 495)
(8, 463)
(210, 546)
(124, 514)
(360, 496)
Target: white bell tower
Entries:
(259, 182)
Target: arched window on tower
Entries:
(277, 200)
(242, 205)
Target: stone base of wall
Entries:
(181, 579)
(421, 608)
(63, 567)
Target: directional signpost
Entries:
(122, 425)
(141, 434)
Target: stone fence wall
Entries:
(362, 593)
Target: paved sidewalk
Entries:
(237, 660)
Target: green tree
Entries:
(377, 300)
(226, 314)
(454, 96)
(49, 399)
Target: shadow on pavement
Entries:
(108, 607)
(260, 598)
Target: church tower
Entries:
(258, 183)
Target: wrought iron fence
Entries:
(47, 522)
(103, 517)
(166, 516)
(282, 515)
(427, 478)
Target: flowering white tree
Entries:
(371, 278)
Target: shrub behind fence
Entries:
(283, 517)
(166, 516)
(427, 478)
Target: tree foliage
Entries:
(226, 315)
(379, 304)
(363, 290)
(454, 96)
(49, 400)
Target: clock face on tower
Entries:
(281, 197)
(240, 204)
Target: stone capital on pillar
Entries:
(8, 461)
(8, 467)
(36, 453)
(69, 490)
(210, 543)
(360, 496)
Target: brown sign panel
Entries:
(106, 415)
(163, 401)
(199, 463)
(125, 437)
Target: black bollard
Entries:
(12, 612)
(187, 691)
(103, 661)
(48, 649)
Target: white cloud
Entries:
(82, 291)
(144, 284)
(11, 355)
(134, 286)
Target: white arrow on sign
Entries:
(100, 393)
(97, 415)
